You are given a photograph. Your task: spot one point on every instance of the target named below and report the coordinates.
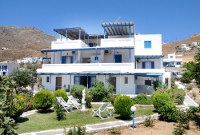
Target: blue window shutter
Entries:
(64, 59)
(71, 59)
(143, 65)
(152, 65)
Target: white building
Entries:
(173, 60)
(7, 68)
(131, 62)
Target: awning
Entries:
(118, 28)
(72, 33)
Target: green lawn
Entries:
(47, 121)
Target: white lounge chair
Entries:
(73, 101)
(101, 109)
(68, 107)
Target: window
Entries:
(4, 68)
(178, 63)
(125, 80)
(148, 65)
(147, 44)
(171, 57)
(95, 58)
(47, 78)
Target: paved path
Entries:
(95, 127)
(187, 101)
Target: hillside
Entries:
(22, 42)
(187, 56)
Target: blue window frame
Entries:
(146, 63)
(96, 58)
(118, 58)
(147, 44)
(4, 68)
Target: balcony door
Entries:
(118, 58)
(58, 83)
(67, 59)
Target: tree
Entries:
(193, 68)
(7, 86)
(22, 78)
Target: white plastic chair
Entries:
(73, 102)
(64, 104)
(100, 110)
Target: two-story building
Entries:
(7, 68)
(129, 61)
(173, 60)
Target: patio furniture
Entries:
(68, 107)
(73, 102)
(103, 108)
(110, 110)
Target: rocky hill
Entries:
(187, 55)
(16, 42)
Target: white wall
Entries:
(68, 44)
(117, 42)
(157, 63)
(156, 44)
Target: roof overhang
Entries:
(149, 56)
(118, 28)
(87, 48)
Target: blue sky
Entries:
(174, 19)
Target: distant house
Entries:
(29, 60)
(7, 68)
(173, 60)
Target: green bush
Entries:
(99, 92)
(189, 87)
(160, 98)
(76, 91)
(186, 77)
(60, 93)
(17, 107)
(148, 122)
(168, 112)
(177, 95)
(59, 112)
(180, 130)
(76, 131)
(28, 102)
(142, 99)
(112, 98)
(122, 106)
(88, 99)
(43, 100)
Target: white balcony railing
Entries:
(68, 44)
(117, 42)
(92, 67)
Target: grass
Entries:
(47, 121)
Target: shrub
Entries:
(148, 122)
(112, 98)
(168, 112)
(60, 93)
(59, 112)
(17, 107)
(115, 131)
(43, 100)
(28, 102)
(180, 130)
(177, 95)
(99, 92)
(88, 99)
(179, 99)
(76, 131)
(122, 106)
(76, 91)
(160, 98)
(186, 77)
(189, 87)
(142, 99)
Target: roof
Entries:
(72, 33)
(118, 28)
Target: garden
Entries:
(51, 115)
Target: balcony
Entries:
(91, 67)
(64, 44)
(117, 42)
(149, 70)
